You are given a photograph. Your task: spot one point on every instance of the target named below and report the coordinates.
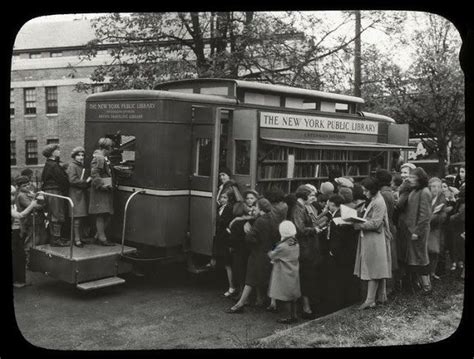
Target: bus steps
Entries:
(100, 283)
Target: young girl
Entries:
(221, 245)
(285, 279)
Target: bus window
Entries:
(122, 156)
(262, 99)
(219, 91)
(242, 157)
(183, 90)
(203, 157)
(342, 107)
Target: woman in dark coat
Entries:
(457, 228)
(460, 177)
(262, 237)
(101, 195)
(417, 227)
(310, 252)
(438, 218)
(55, 181)
(78, 184)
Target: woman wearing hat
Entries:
(55, 181)
(78, 184)
(101, 195)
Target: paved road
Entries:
(169, 309)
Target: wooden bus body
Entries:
(171, 141)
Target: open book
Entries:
(438, 208)
(349, 214)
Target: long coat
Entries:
(221, 244)
(77, 188)
(261, 238)
(403, 236)
(310, 250)
(387, 194)
(436, 237)
(418, 217)
(285, 277)
(101, 199)
(373, 259)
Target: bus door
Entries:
(244, 147)
(203, 178)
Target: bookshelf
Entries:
(288, 167)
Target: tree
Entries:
(429, 95)
(281, 48)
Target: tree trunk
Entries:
(357, 55)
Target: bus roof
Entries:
(156, 94)
(375, 116)
(281, 89)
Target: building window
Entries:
(12, 103)
(52, 141)
(35, 55)
(51, 100)
(97, 88)
(30, 101)
(31, 152)
(12, 153)
(56, 53)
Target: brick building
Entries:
(44, 107)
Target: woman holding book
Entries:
(78, 184)
(101, 195)
(373, 259)
(438, 218)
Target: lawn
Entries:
(406, 319)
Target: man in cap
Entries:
(55, 181)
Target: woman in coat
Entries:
(372, 261)
(457, 228)
(262, 237)
(78, 184)
(438, 218)
(310, 252)
(417, 227)
(101, 195)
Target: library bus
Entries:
(170, 142)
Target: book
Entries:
(438, 208)
(82, 173)
(350, 215)
(339, 221)
(291, 166)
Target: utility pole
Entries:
(357, 55)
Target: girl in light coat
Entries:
(285, 279)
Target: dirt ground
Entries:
(167, 309)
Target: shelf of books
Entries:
(287, 167)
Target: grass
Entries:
(406, 319)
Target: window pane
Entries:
(12, 153)
(223, 91)
(52, 141)
(30, 101)
(56, 53)
(51, 99)
(242, 157)
(203, 157)
(12, 103)
(35, 55)
(31, 152)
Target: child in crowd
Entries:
(285, 280)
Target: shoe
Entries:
(105, 243)
(19, 284)
(229, 292)
(79, 244)
(366, 305)
(271, 309)
(306, 315)
(234, 310)
(287, 320)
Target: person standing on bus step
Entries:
(417, 226)
(221, 244)
(226, 184)
(373, 258)
(55, 181)
(285, 280)
(101, 194)
(78, 184)
(18, 250)
(438, 219)
(261, 238)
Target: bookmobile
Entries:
(170, 142)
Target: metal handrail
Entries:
(72, 215)
(125, 216)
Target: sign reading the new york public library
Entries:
(123, 110)
(278, 120)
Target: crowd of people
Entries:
(40, 218)
(294, 249)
